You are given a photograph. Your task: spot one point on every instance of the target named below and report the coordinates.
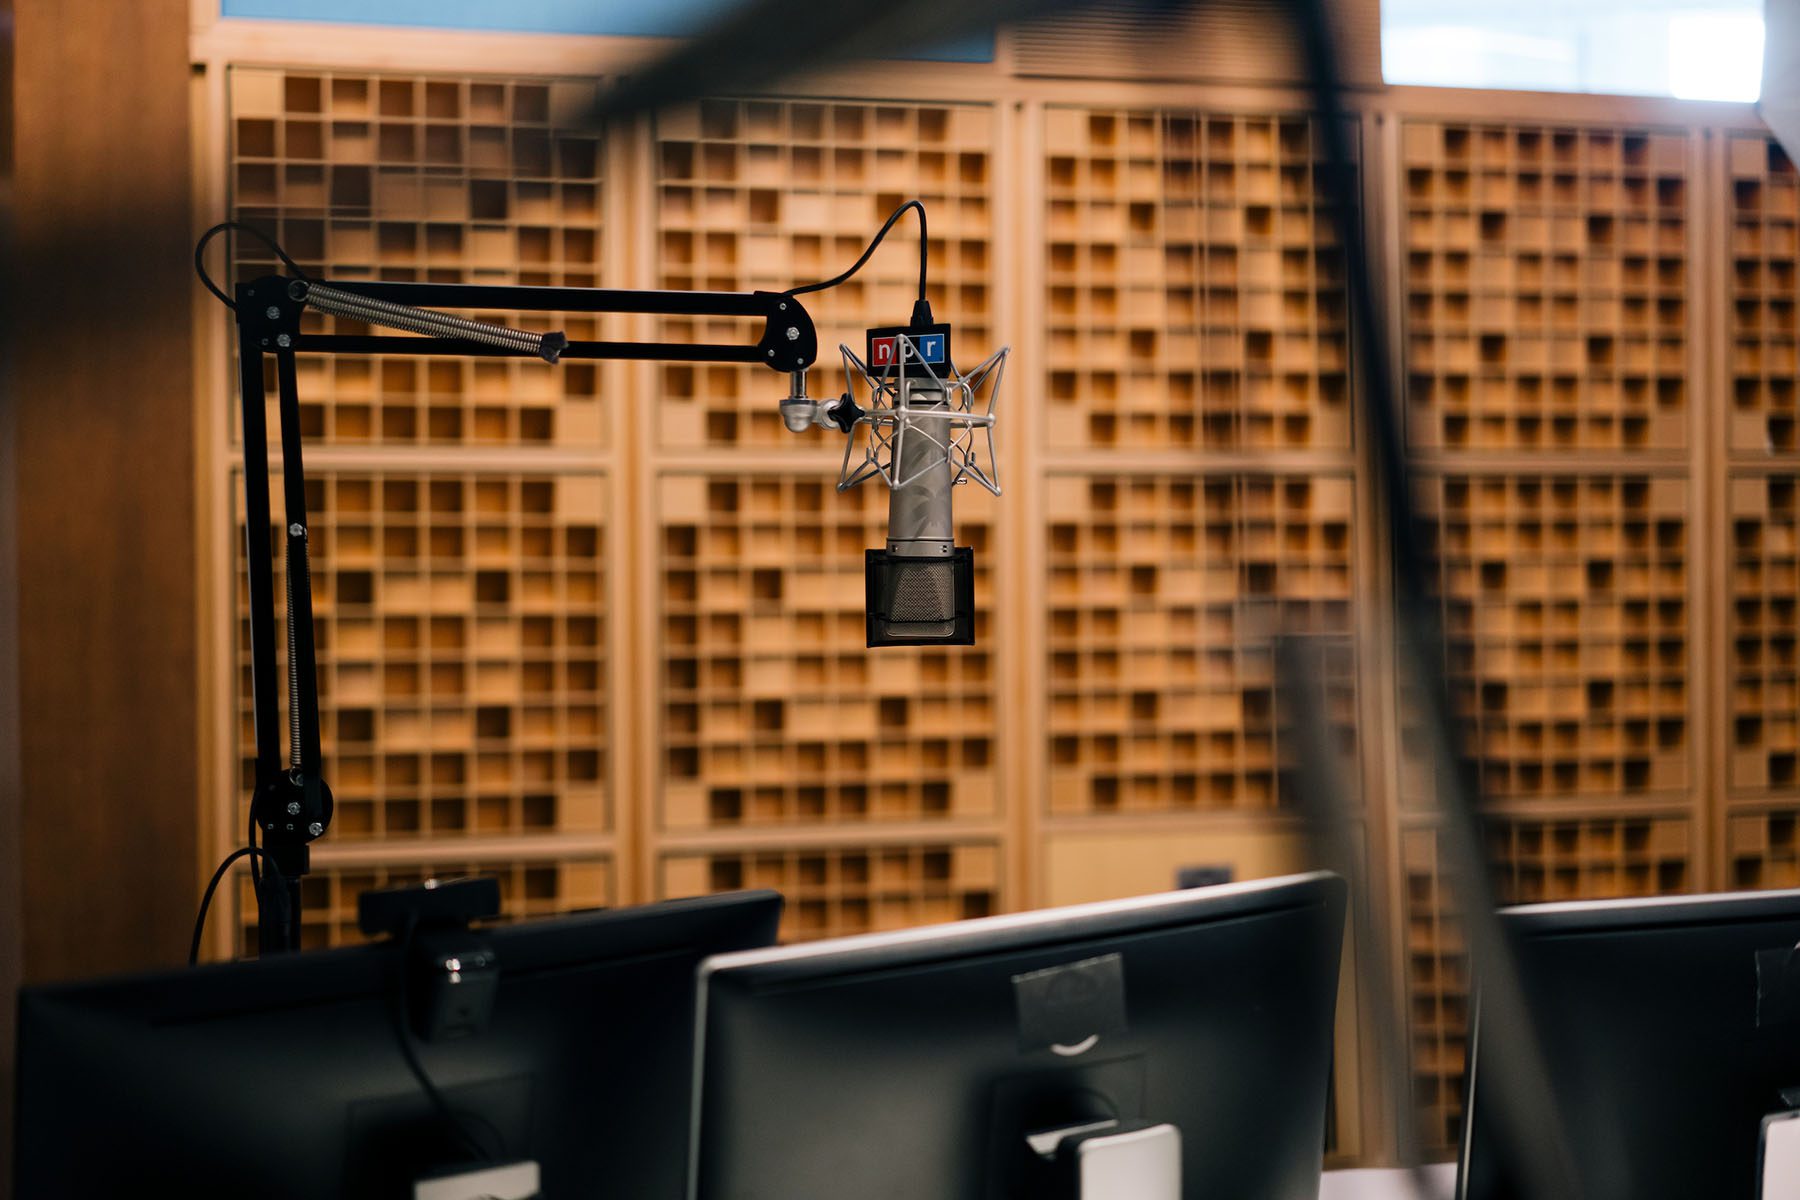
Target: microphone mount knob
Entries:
(799, 412)
(843, 413)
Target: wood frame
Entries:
(12, 912)
(107, 708)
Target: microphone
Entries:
(921, 588)
(927, 429)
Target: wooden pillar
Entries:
(104, 449)
(10, 895)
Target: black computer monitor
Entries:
(1666, 1044)
(284, 1077)
(1009, 1057)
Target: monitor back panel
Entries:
(1665, 1061)
(918, 1080)
(284, 1078)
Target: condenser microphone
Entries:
(921, 588)
(928, 428)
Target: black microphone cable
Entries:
(207, 898)
(451, 1119)
(924, 258)
(206, 239)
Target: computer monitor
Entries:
(1164, 1047)
(1666, 1039)
(284, 1077)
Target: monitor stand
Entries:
(510, 1181)
(1114, 1160)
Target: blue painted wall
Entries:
(624, 18)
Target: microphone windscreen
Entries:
(916, 600)
(923, 593)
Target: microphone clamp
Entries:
(916, 393)
(800, 413)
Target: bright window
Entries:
(1694, 49)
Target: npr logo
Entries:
(885, 351)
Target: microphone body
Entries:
(922, 434)
(921, 539)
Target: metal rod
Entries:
(576, 300)
(340, 343)
(426, 321)
(259, 558)
(302, 664)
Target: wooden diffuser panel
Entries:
(1764, 209)
(1195, 293)
(769, 194)
(1593, 858)
(1764, 627)
(528, 888)
(836, 890)
(1547, 285)
(1601, 856)
(1165, 592)
(1762, 848)
(464, 677)
(1437, 987)
(773, 710)
(444, 180)
(1568, 610)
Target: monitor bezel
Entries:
(836, 959)
(1580, 918)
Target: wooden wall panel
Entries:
(870, 786)
(466, 543)
(1763, 207)
(773, 711)
(1166, 592)
(464, 694)
(1196, 496)
(464, 671)
(1195, 311)
(1755, 824)
(438, 179)
(1548, 284)
(534, 882)
(1553, 391)
(1568, 598)
(845, 888)
(1196, 296)
(771, 194)
(106, 474)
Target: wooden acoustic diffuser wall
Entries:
(463, 532)
(466, 603)
(1762, 579)
(1201, 501)
(599, 629)
(864, 785)
(1548, 276)
(1194, 304)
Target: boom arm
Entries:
(291, 805)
